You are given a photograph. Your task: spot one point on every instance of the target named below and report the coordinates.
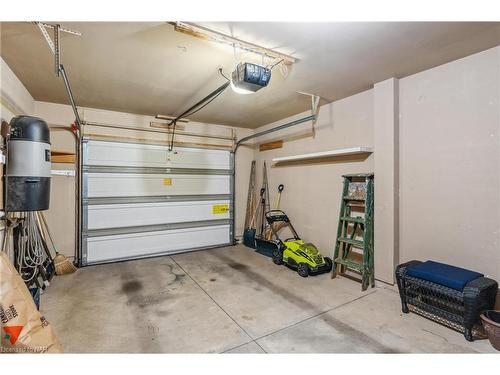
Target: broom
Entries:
(61, 263)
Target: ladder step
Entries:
(351, 219)
(351, 175)
(355, 243)
(354, 199)
(350, 264)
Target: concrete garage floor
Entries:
(233, 300)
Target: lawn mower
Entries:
(294, 252)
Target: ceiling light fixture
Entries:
(239, 90)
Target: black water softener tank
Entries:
(28, 165)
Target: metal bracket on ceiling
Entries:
(54, 45)
(315, 99)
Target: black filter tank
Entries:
(28, 165)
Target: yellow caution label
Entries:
(220, 209)
(167, 181)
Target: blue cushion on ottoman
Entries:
(443, 274)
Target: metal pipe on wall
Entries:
(275, 129)
(78, 188)
(70, 95)
(59, 70)
(162, 131)
(78, 161)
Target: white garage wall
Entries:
(313, 189)
(14, 99)
(449, 167)
(450, 163)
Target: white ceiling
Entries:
(149, 68)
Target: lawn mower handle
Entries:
(273, 216)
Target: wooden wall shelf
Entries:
(62, 157)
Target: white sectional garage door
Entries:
(141, 200)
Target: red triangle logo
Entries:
(13, 332)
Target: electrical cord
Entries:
(31, 253)
(171, 144)
(272, 66)
(222, 74)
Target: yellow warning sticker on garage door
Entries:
(220, 209)
(167, 181)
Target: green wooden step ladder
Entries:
(355, 228)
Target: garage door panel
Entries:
(128, 246)
(126, 154)
(141, 200)
(139, 214)
(136, 185)
(143, 155)
(197, 158)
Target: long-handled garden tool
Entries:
(251, 198)
(265, 203)
(249, 233)
(61, 263)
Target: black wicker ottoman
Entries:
(449, 295)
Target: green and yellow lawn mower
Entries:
(294, 252)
